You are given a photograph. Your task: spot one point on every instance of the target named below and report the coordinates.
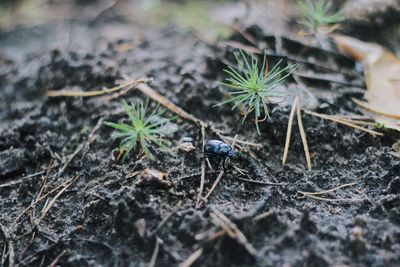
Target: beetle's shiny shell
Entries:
(219, 148)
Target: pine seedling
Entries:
(144, 128)
(254, 88)
(316, 13)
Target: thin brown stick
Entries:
(192, 258)
(266, 67)
(303, 136)
(42, 187)
(238, 45)
(193, 175)
(209, 235)
(232, 230)
(43, 197)
(329, 117)
(71, 93)
(51, 203)
(57, 259)
(161, 224)
(259, 182)
(221, 173)
(18, 181)
(202, 167)
(371, 109)
(329, 190)
(289, 130)
(314, 195)
(357, 122)
(152, 262)
(332, 199)
(150, 92)
(242, 142)
(245, 35)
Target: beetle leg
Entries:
(223, 164)
(208, 163)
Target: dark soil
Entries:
(105, 218)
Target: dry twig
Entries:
(344, 122)
(51, 203)
(202, 168)
(33, 204)
(369, 108)
(152, 262)
(130, 84)
(162, 100)
(303, 136)
(314, 195)
(57, 259)
(192, 258)
(232, 230)
(289, 130)
(259, 182)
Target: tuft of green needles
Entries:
(253, 88)
(317, 13)
(144, 128)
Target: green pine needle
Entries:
(252, 90)
(317, 13)
(144, 128)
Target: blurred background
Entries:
(29, 27)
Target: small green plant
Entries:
(144, 128)
(316, 13)
(254, 88)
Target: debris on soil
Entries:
(152, 178)
(382, 70)
(65, 201)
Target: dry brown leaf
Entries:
(396, 149)
(152, 178)
(382, 72)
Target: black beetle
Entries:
(219, 149)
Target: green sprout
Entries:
(317, 13)
(144, 128)
(254, 89)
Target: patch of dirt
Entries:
(104, 219)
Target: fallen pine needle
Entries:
(353, 121)
(333, 199)
(51, 203)
(221, 173)
(289, 130)
(192, 258)
(202, 167)
(303, 136)
(33, 204)
(131, 84)
(328, 191)
(333, 118)
(150, 92)
(152, 262)
(314, 195)
(57, 259)
(369, 108)
(232, 230)
(241, 141)
(259, 182)
(238, 45)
